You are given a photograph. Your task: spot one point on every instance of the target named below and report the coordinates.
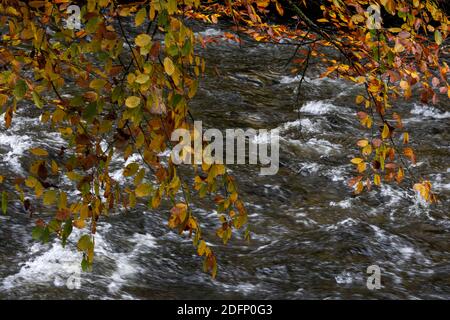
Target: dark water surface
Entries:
(311, 238)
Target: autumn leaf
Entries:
(357, 160)
(405, 137)
(279, 8)
(84, 243)
(408, 152)
(143, 40)
(385, 132)
(362, 143)
(97, 84)
(132, 101)
(438, 37)
(39, 152)
(110, 69)
(377, 179)
(20, 89)
(3, 99)
(168, 66)
(79, 224)
(201, 248)
(361, 167)
(142, 78)
(360, 99)
(49, 197)
(143, 190)
(140, 17)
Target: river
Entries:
(311, 237)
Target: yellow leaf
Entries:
(359, 99)
(49, 197)
(97, 84)
(438, 37)
(39, 152)
(400, 175)
(3, 99)
(359, 187)
(395, 30)
(73, 176)
(84, 212)
(367, 150)
(140, 17)
(385, 132)
(172, 6)
(362, 143)
(131, 77)
(132, 101)
(54, 167)
(377, 180)
(201, 248)
(30, 182)
(38, 189)
(143, 40)
(262, 3)
(405, 137)
(168, 66)
(143, 190)
(80, 224)
(362, 167)
(279, 8)
(404, 85)
(142, 78)
(357, 160)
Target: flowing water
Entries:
(311, 237)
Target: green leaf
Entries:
(41, 234)
(117, 93)
(66, 231)
(90, 112)
(186, 48)
(37, 100)
(91, 25)
(130, 169)
(85, 266)
(20, 89)
(54, 225)
(76, 101)
(37, 232)
(84, 243)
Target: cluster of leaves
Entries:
(132, 93)
(387, 61)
